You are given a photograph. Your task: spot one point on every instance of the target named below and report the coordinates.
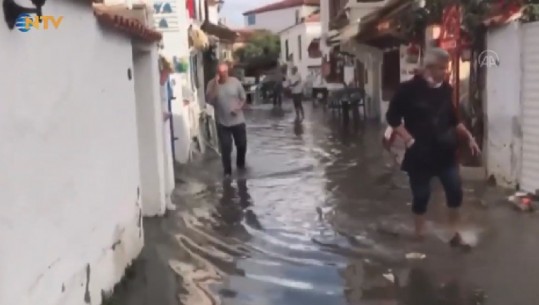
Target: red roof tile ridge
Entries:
(283, 4)
(112, 16)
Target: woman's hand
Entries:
(474, 148)
(409, 143)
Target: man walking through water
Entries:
(423, 115)
(226, 94)
(295, 85)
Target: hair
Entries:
(223, 63)
(435, 55)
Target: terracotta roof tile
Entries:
(129, 25)
(282, 5)
(244, 34)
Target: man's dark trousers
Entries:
(278, 95)
(227, 134)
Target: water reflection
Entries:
(303, 227)
(234, 204)
(298, 128)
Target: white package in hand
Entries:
(394, 144)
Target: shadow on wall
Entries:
(182, 124)
(182, 136)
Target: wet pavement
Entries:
(322, 217)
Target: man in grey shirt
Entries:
(226, 94)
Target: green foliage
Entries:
(262, 43)
(474, 12)
(531, 13)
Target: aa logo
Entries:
(489, 59)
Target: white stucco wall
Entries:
(307, 32)
(213, 14)
(170, 181)
(276, 21)
(503, 144)
(151, 130)
(324, 15)
(70, 218)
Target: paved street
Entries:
(321, 218)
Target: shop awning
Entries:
(500, 14)
(341, 20)
(348, 32)
(220, 31)
(332, 38)
(382, 28)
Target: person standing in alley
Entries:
(227, 95)
(274, 77)
(423, 115)
(296, 88)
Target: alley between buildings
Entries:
(323, 218)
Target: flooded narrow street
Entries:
(321, 217)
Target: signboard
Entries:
(448, 44)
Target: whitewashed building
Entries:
(511, 146)
(277, 16)
(178, 21)
(294, 44)
(172, 19)
(82, 158)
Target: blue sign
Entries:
(20, 23)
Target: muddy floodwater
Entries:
(322, 217)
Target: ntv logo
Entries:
(25, 22)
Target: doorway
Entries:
(150, 131)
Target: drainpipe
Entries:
(170, 98)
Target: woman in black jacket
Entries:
(423, 115)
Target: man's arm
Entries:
(395, 115)
(242, 96)
(297, 82)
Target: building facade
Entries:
(512, 141)
(294, 45)
(181, 22)
(76, 135)
(173, 18)
(277, 16)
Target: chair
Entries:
(358, 100)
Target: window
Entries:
(286, 53)
(297, 16)
(251, 19)
(300, 50)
